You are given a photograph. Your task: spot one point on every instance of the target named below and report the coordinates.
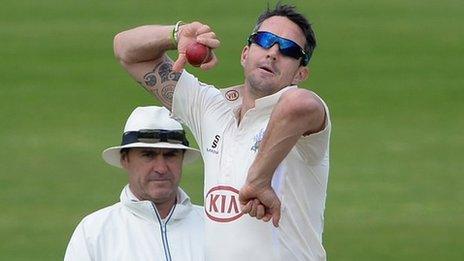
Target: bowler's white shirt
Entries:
(228, 149)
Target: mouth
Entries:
(157, 179)
(267, 69)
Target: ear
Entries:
(124, 160)
(244, 55)
(301, 75)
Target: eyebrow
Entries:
(158, 151)
(175, 151)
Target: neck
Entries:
(248, 101)
(165, 207)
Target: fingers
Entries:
(209, 42)
(274, 210)
(191, 29)
(263, 205)
(179, 63)
(200, 33)
(203, 28)
(247, 207)
(254, 207)
(258, 210)
(265, 214)
(267, 217)
(213, 61)
(209, 39)
(261, 211)
(276, 215)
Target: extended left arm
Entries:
(298, 112)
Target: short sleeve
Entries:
(314, 148)
(192, 100)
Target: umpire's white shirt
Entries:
(228, 150)
(133, 230)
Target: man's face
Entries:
(267, 70)
(154, 174)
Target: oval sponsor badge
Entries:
(222, 205)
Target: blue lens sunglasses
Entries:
(287, 47)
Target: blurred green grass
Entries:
(389, 70)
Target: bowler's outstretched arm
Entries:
(142, 52)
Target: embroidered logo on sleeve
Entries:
(257, 140)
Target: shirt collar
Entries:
(233, 95)
(146, 210)
(271, 100)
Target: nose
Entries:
(160, 165)
(273, 52)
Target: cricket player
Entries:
(265, 143)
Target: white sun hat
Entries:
(151, 127)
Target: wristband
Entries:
(175, 30)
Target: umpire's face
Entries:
(154, 173)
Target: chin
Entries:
(263, 90)
(161, 195)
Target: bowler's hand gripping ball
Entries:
(197, 54)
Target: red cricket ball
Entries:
(197, 54)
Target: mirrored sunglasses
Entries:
(287, 47)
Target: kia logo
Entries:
(221, 204)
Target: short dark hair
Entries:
(290, 12)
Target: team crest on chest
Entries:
(232, 95)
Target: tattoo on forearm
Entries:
(162, 81)
(166, 73)
(150, 79)
(167, 92)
